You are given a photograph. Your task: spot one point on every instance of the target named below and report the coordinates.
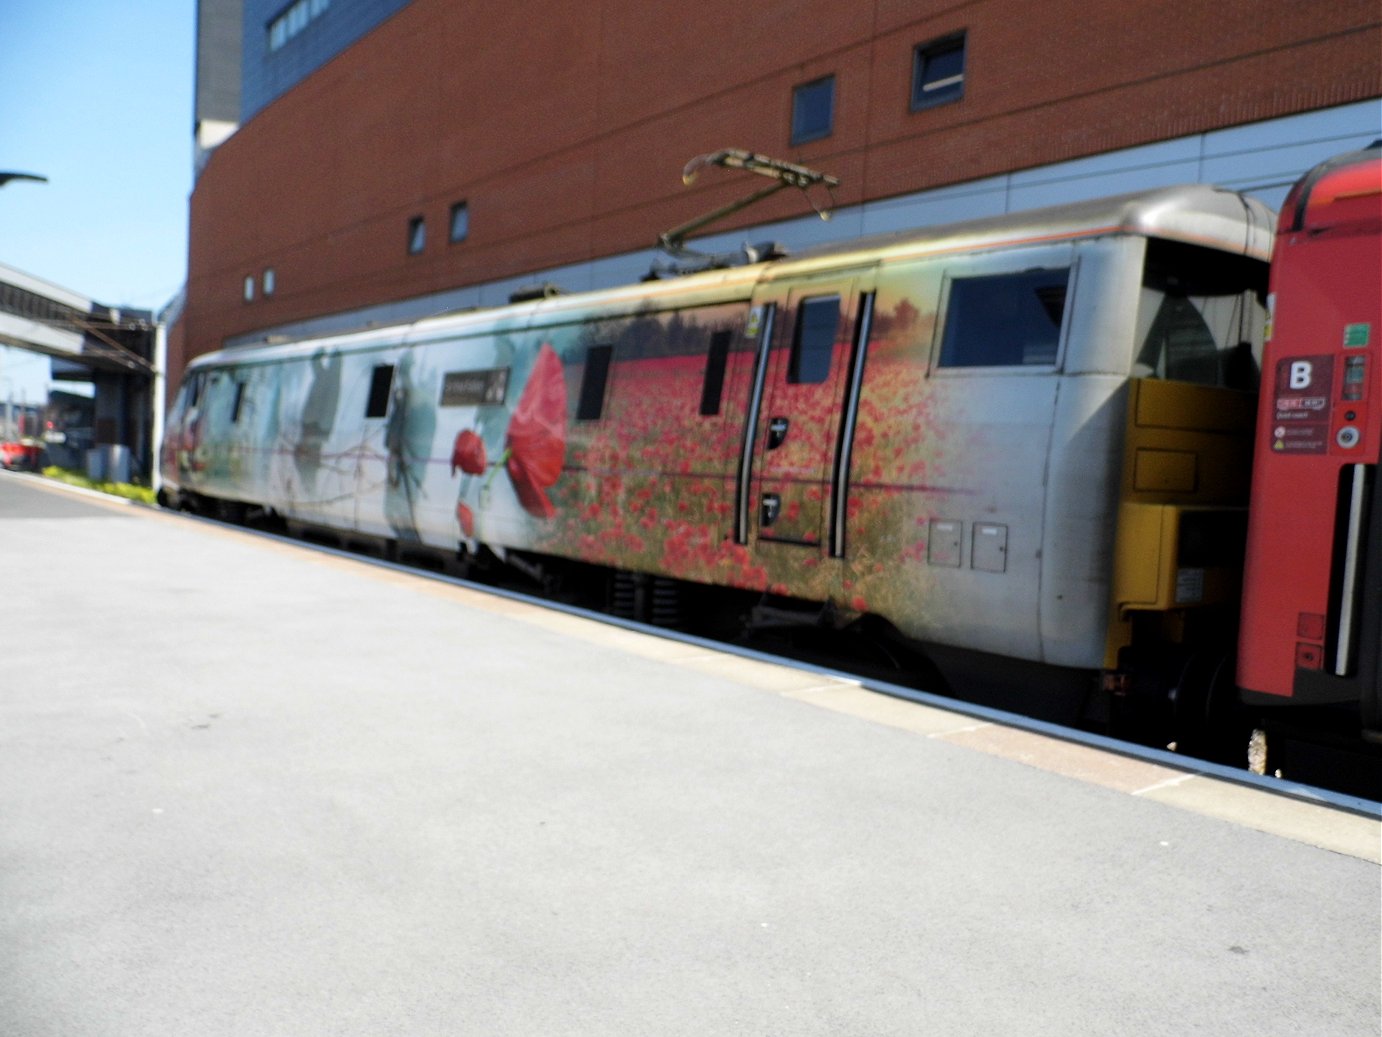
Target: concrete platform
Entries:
(249, 788)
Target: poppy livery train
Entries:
(1033, 439)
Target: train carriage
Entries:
(1024, 437)
(1312, 602)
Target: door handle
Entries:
(777, 432)
(769, 509)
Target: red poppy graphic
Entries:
(468, 454)
(535, 447)
(466, 519)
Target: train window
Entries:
(239, 401)
(593, 381)
(381, 381)
(813, 345)
(182, 400)
(1202, 316)
(713, 389)
(1006, 320)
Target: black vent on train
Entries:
(655, 600)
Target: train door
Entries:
(801, 404)
(375, 466)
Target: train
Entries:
(1030, 442)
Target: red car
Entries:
(20, 455)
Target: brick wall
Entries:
(565, 126)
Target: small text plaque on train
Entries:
(469, 388)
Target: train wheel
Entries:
(1207, 720)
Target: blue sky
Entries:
(97, 96)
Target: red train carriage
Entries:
(1311, 629)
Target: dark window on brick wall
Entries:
(938, 72)
(813, 110)
(417, 235)
(818, 322)
(460, 221)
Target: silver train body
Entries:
(1023, 436)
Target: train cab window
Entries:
(1202, 316)
(813, 344)
(239, 402)
(593, 381)
(1004, 320)
(381, 381)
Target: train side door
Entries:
(799, 413)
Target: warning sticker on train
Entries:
(1303, 385)
(469, 388)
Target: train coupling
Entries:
(1115, 682)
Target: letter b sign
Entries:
(1300, 374)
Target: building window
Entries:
(460, 221)
(813, 110)
(269, 281)
(417, 235)
(593, 382)
(938, 72)
(293, 19)
(249, 288)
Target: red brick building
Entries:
(458, 145)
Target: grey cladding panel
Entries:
(990, 552)
(943, 545)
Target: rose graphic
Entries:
(534, 445)
(468, 454)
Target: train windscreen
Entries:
(1201, 316)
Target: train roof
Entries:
(1198, 214)
(1347, 189)
(1194, 213)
